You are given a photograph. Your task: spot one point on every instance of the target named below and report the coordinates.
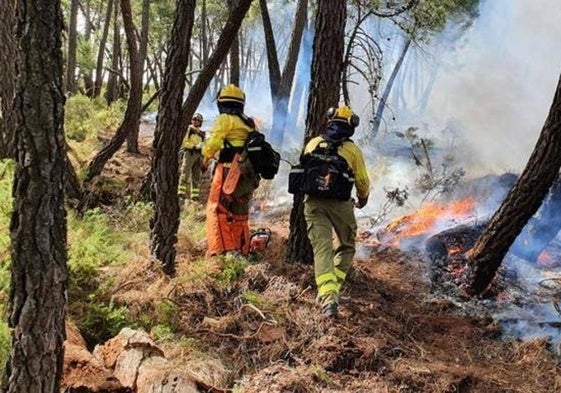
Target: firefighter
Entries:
(327, 214)
(192, 168)
(227, 212)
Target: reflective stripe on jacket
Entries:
(353, 155)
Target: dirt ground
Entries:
(394, 334)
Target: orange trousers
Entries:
(227, 221)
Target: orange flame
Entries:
(425, 219)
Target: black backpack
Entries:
(264, 159)
(323, 173)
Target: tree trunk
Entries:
(72, 45)
(134, 104)
(204, 34)
(101, 51)
(87, 73)
(272, 58)
(112, 92)
(227, 35)
(521, 203)
(324, 93)
(387, 89)
(8, 58)
(167, 140)
(38, 223)
(132, 136)
(280, 105)
(234, 51)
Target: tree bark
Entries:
(327, 65)
(134, 104)
(112, 92)
(280, 104)
(87, 73)
(72, 45)
(38, 223)
(8, 58)
(387, 89)
(521, 203)
(272, 58)
(234, 50)
(167, 140)
(101, 52)
(132, 137)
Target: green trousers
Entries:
(331, 260)
(191, 173)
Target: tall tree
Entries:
(8, 54)
(234, 51)
(72, 47)
(324, 91)
(112, 92)
(167, 139)
(38, 223)
(101, 51)
(281, 83)
(134, 104)
(521, 203)
(132, 137)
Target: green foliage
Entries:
(93, 244)
(85, 118)
(233, 266)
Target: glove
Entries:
(361, 202)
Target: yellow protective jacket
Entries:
(353, 155)
(225, 128)
(193, 139)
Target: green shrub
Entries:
(85, 118)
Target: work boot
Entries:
(330, 310)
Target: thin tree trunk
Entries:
(521, 203)
(204, 34)
(101, 51)
(234, 51)
(38, 224)
(112, 92)
(387, 90)
(87, 73)
(272, 59)
(132, 136)
(8, 58)
(280, 105)
(324, 93)
(134, 105)
(72, 45)
(167, 140)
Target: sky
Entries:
(499, 85)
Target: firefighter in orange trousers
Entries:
(325, 213)
(227, 222)
(191, 167)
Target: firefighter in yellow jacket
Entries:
(191, 168)
(227, 212)
(325, 214)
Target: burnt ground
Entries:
(264, 332)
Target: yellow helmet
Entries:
(231, 93)
(343, 114)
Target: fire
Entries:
(427, 218)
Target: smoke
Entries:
(498, 87)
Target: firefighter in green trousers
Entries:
(191, 167)
(332, 208)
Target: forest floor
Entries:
(259, 329)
